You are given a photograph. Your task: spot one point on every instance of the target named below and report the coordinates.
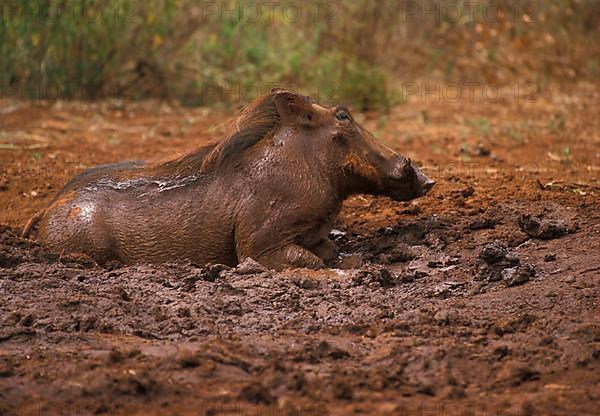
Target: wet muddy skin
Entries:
(481, 298)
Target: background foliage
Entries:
(357, 51)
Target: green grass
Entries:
(170, 49)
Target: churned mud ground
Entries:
(481, 298)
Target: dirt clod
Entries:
(493, 253)
(207, 273)
(250, 266)
(413, 275)
(374, 276)
(543, 228)
(518, 275)
(495, 258)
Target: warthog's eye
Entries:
(342, 115)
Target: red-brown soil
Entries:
(481, 298)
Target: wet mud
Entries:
(479, 299)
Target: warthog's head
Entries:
(360, 162)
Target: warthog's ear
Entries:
(295, 109)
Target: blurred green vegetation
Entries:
(225, 52)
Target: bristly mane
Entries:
(252, 124)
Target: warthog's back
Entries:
(141, 218)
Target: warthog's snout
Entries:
(425, 183)
(404, 181)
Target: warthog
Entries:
(269, 191)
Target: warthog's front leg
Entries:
(326, 250)
(290, 256)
